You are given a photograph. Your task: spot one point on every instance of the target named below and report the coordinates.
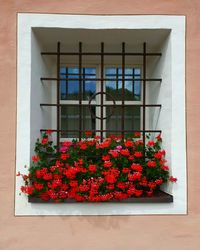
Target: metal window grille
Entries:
(102, 54)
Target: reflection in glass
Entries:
(70, 116)
(70, 86)
(132, 87)
(131, 119)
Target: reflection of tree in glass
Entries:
(117, 94)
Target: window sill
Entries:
(158, 197)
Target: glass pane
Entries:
(70, 116)
(131, 119)
(114, 121)
(132, 88)
(70, 86)
(89, 86)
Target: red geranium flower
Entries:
(48, 131)
(135, 176)
(166, 168)
(107, 164)
(83, 146)
(137, 134)
(125, 170)
(44, 141)
(114, 153)
(172, 179)
(151, 143)
(158, 155)
(88, 133)
(38, 186)
(159, 181)
(35, 158)
(110, 178)
(18, 174)
(128, 143)
(48, 176)
(105, 157)
(138, 154)
(151, 164)
(136, 167)
(92, 168)
(158, 137)
(64, 157)
(125, 152)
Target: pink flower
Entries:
(118, 148)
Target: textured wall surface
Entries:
(95, 233)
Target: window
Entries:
(107, 100)
(164, 34)
(91, 100)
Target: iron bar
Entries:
(144, 92)
(133, 82)
(67, 83)
(102, 79)
(99, 105)
(80, 90)
(100, 53)
(118, 77)
(104, 130)
(102, 90)
(58, 94)
(123, 86)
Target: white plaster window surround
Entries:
(171, 94)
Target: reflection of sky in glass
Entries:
(130, 86)
(70, 88)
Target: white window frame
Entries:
(98, 89)
(24, 139)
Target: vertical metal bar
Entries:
(67, 82)
(144, 93)
(133, 82)
(80, 90)
(123, 86)
(58, 95)
(102, 82)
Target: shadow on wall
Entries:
(102, 222)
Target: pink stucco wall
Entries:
(104, 232)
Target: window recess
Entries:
(112, 101)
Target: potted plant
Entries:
(95, 171)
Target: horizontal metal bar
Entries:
(100, 79)
(99, 105)
(98, 130)
(99, 54)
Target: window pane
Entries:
(131, 119)
(70, 120)
(70, 86)
(89, 86)
(132, 88)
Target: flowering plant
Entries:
(91, 170)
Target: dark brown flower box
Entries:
(158, 197)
